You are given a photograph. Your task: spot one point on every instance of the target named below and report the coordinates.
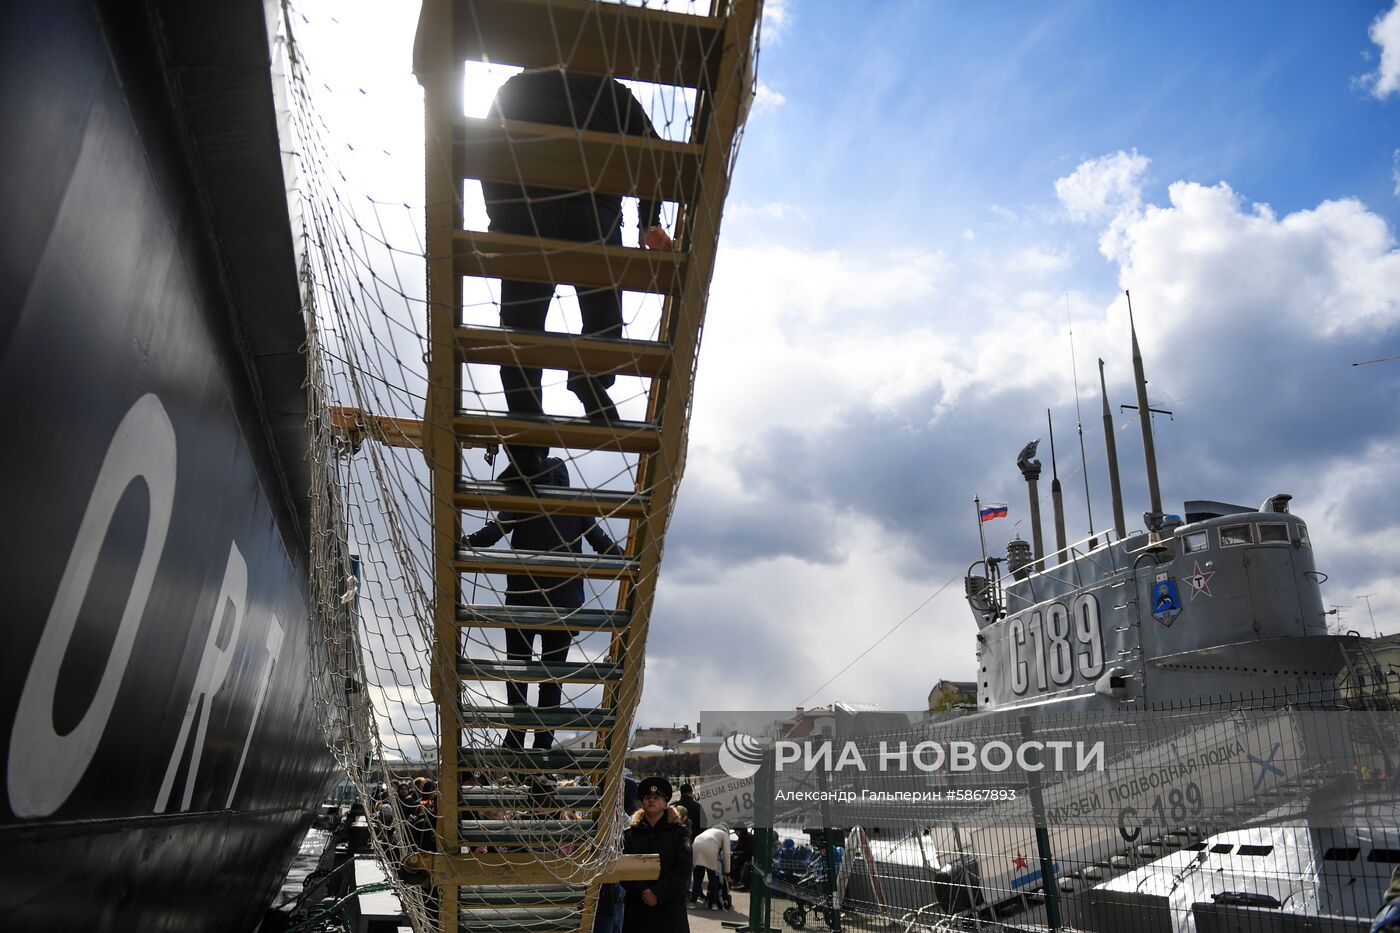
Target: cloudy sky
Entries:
(928, 193)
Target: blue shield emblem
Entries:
(1166, 601)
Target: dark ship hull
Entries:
(161, 753)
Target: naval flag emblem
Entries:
(1166, 601)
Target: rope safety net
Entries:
(564, 448)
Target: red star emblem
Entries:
(1199, 582)
(1019, 861)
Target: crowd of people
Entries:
(410, 803)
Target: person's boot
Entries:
(598, 406)
(541, 790)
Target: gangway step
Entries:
(511, 346)
(657, 46)
(519, 920)
(556, 717)
(499, 797)
(481, 428)
(487, 495)
(522, 868)
(566, 672)
(515, 151)
(537, 617)
(545, 563)
(567, 262)
(522, 895)
(533, 760)
(525, 832)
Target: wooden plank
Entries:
(521, 797)
(509, 346)
(536, 617)
(357, 425)
(567, 672)
(544, 563)
(550, 156)
(550, 500)
(523, 920)
(482, 428)
(519, 895)
(566, 262)
(531, 832)
(527, 868)
(443, 101)
(657, 46)
(533, 760)
(530, 717)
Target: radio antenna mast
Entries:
(1079, 425)
(1057, 501)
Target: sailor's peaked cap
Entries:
(656, 785)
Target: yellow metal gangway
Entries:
(517, 852)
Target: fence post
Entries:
(829, 840)
(760, 896)
(1048, 882)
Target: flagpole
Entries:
(977, 504)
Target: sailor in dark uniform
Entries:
(584, 102)
(656, 829)
(538, 532)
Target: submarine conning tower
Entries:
(1225, 599)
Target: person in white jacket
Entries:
(711, 852)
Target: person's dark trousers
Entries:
(420, 830)
(607, 917)
(525, 305)
(697, 881)
(737, 862)
(619, 908)
(554, 649)
(714, 889)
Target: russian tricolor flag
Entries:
(992, 510)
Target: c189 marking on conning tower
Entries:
(1059, 645)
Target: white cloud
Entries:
(777, 17)
(1385, 33)
(1103, 187)
(779, 315)
(766, 99)
(1332, 269)
(1037, 261)
(808, 622)
(766, 210)
(1351, 533)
